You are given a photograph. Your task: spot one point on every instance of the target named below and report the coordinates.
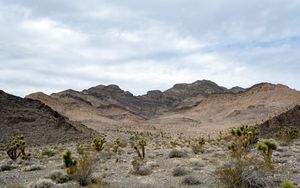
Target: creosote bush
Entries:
(266, 148)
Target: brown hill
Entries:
(197, 107)
(288, 118)
(37, 122)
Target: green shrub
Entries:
(287, 184)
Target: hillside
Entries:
(37, 122)
(197, 107)
(288, 118)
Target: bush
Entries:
(59, 176)
(84, 169)
(191, 180)
(140, 168)
(288, 134)
(179, 171)
(177, 154)
(48, 152)
(287, 184)
(243, 174)
(44, 183)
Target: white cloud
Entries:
(52, 45)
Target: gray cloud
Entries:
(141, 45)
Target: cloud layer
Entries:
(141, 45)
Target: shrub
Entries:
(266, 148)
(191, 180)
(48, 152)
(179, 171)
(288, 134)
(59, 176)
(287, 184)
(243, 174)
(177, 154)
(98, 143)
(84, 169)
(140, 167)
(44, 183)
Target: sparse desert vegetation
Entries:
(239, 159)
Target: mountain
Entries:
(184, 107)
(37, 122)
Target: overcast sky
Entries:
(53, 45)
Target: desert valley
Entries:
(191, 135)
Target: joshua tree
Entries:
(17, 143)
(69, 162)
(141, 146)
(266, 148)
(242, 138)
(117, 143)
(98, 143)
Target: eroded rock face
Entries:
(36, 121)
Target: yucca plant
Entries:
(266, 147)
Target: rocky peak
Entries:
(104, 92)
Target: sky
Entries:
(54, 45)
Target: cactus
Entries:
(98, 143)
(266, 148)
(17, 143)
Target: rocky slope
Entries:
(288, 118)
(222, 111)
(199, 106)
(37, 122)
